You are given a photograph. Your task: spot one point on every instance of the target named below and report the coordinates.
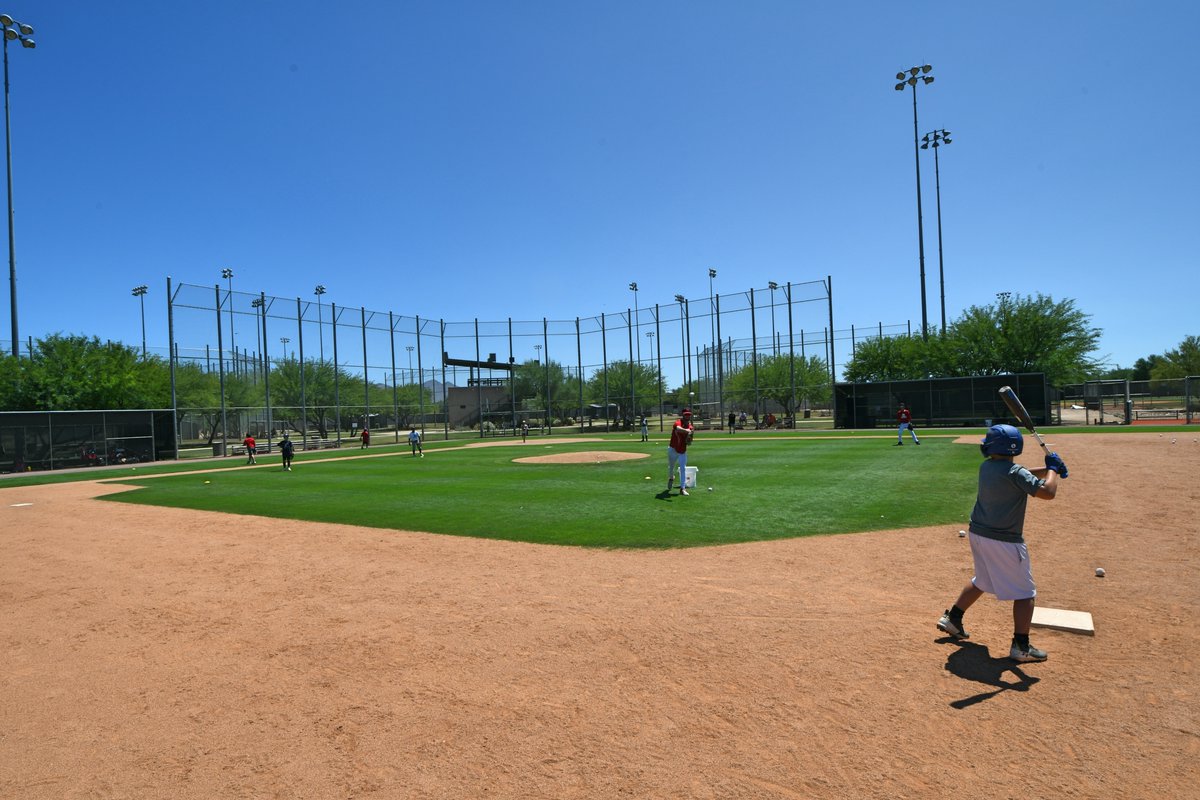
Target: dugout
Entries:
(941, 402)
(46, 440)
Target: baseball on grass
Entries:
(208, 481)
(1099, 572)
(710, 488)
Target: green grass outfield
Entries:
(763, 488)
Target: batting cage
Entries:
(941, 402)
(244, 362)
(42, 440)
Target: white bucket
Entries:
(689, 478)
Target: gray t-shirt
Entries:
(1004, 489)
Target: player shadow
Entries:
(972, 662)
(665, 494)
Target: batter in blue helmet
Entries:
(997, 536)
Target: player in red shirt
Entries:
(904, 418)
(681, 436)
(251, 448)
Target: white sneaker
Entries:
(684, 492)
(1026, 656)
(946, 625)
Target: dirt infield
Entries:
(166, 653)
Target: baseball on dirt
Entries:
(962, 534)
(1099, 572)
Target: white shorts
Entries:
(1002, 569)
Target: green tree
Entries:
(10, 382)
(896, 358)
(1016, 334)
(198, 394)
(1026, 334)
(70, 373)
(1181, 362)
(775, 382)
(320, 395)
(638, 397)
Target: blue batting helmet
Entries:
(1002, 440)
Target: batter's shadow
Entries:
(972, 662)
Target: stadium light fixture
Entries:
(13, 31)
(913, 77)
(934, 140)
(140, 293)
(318, 291)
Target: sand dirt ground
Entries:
(165, 653)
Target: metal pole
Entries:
(937, 176)
(420, 383)
(262, 297)
(303, 390)
(395, 399)
(142, 298)
(366, 374)
(549, 398)
(337, 374)
(172, 356)
(720, 366)
(221, 367)
(12, 246)
(832, 369)
(632, 379)
(579, 364)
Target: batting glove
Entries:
(1054, 462)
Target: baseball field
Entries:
(541, 621)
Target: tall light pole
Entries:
(914, 76)
(227, 274)
(409, 348)
(772, 285)
(13, 30)
(633, 288)
(936, 139)
(283, 340)
(320, 290)
(140, 293)
(538, 348)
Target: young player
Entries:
(251, 448)
(414, 441)
(682, 433)
(997, 544)
(287, 449)
(366, 439)
(645, 429)
(904, 418)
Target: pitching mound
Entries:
(593, 457)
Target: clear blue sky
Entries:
(488, 159)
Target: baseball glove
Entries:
(912, 427)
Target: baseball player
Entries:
(414, 441)
(251, 448)
(287, 449)
(997, 544)
(682, 433)
(904, 417)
